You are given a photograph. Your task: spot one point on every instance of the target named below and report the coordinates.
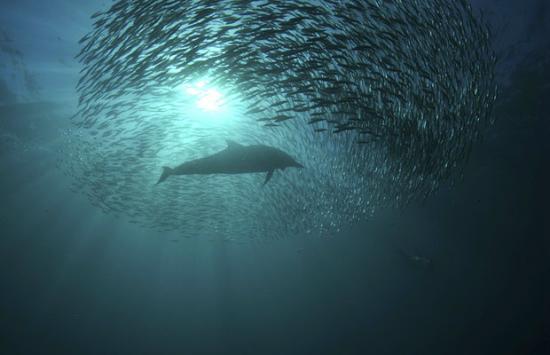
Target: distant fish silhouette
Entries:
(416, 260)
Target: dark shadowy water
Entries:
(76, 281)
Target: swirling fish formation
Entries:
(381, 100)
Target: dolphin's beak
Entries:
(298, 165)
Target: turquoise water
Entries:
(96, 259)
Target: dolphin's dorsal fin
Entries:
(268, 176)
(232, 144)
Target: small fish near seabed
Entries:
(416, 260)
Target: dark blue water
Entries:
(74, 280)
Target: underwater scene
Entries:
(274, 177)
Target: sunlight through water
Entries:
(208, 99)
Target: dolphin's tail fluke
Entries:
(166, 171)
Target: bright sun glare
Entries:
(207, 99)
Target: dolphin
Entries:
(236, 159)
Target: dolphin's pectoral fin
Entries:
(268, 176)
(166, 172)
(232, 144)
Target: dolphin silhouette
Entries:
(235, 159)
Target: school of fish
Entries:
(381, 101)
